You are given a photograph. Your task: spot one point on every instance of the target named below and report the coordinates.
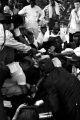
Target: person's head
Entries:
(56, 27)
(51, 49)
(32, 3)
(46, 65)
(43, 29)
(6, 20)
(51, 24)
(28, 113)
(76, 38)
(76, 4)
(17, 20)
(52, 2)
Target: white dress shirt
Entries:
(31, 18)
(75, 21)
(11, 42)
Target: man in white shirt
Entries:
(11, 42)
(32, 13)
(74, 25)
(52, 10)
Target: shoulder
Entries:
(8, 34)
(26, 7)
(38, 8)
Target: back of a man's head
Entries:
(28, 113)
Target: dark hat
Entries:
(5, 18)
(17, 20)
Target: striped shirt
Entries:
(49, 12)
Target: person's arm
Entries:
(40, 14)
(11, 42)
(67, 31)
(43, 17)
(22, 11)
(20, 37)
(77, 16)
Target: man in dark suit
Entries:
(62, 93)
(4, 73)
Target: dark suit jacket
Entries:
(4, 73)
(63, 94)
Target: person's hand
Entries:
(76, 10)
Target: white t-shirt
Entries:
(31, 17)
(74, 25)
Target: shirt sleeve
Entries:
(40, 38)
(22, 11)
(1, 34)
(43, 14)
(77, 16)
(11, 42)
(40, 11)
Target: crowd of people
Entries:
(38, 52)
